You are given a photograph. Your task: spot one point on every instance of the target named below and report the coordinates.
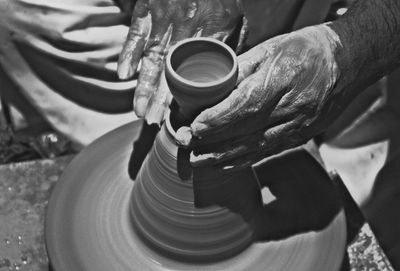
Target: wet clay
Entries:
(190, 220)
(205, 67)
(200, 73)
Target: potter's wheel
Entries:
(88, 224)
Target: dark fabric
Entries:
(383, 210)
(312, 12)
(71, 46)
(281, 16)
(10, 94)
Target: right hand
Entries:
(158, 24)
(289, 89)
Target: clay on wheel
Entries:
(167, 215)
(89, 227)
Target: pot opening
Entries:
(202, 61)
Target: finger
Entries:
(184, 168)
(185, 23)
(221, 35)
(250, 61)
(219, 15)
(183, 16)
(244, 31)
(198, 32)
(216, 27)
(159, 103)
(135, 42)
(141, 148)
(152, 66)
(252, 141)
(183, 32)
(274, 140)
(219, 153)
(283, 112)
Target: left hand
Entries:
(289, 90)
(158, 24)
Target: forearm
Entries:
(370, 42)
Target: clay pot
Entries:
(188, 220)
(200, 72)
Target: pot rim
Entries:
(193, 84)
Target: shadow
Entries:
(237, 191)
(306, 199)
(382, 210)
(141, 147)
(375, 120)
(354, 217)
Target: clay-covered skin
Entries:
(286, 88)
(158, 24)
(292, 87)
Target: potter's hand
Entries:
(157, 24)
(287, 91)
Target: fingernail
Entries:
(155, 114)
(202, 159)
(235, 167)
(125, 70)
(183, 136)
(198, 127)
(140, 106)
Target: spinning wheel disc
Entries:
(88, 223)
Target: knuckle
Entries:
(148, 80)
(141, 8)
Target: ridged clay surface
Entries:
(89, 227)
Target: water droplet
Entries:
(19, 239)
(17, 266)
(7, 241)
(4, 262)
(52, 138)
(24, 259)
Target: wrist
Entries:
(370, 42)
(347, 61)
